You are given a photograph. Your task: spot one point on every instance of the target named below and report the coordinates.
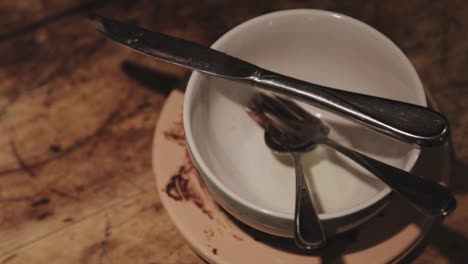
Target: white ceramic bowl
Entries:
(227, 147)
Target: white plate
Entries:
(219, 238)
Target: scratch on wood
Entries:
(55, 231)
(92, 138)
(78, 144)
(8, 259)
(140, 189)
(63, 69)
(105, 242)
(23, 165)
(63, 194)
(157, 207)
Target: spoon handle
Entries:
(428, 196)
(307, 227)
(403, 121)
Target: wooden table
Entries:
(77, 116)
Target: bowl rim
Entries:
(195, 76)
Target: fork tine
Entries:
(268, 122)
(278, 108)
(275, 108)
(280, 124)
(259, 118)
(269, 113)
(293, 107)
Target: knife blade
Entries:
(177, 51)
(403, 121)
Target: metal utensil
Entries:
(296, 130)
(308, 231)
(407, 122)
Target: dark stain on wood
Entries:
(55, 148)
(215, 251)
(42, 201)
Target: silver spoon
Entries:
(297, 130)
(308, 231)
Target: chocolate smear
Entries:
(186, 185)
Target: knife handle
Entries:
(403, 121)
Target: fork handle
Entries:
(404, 121)
(428, 196)
(308, 231)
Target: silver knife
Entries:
(403, 121)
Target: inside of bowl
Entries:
(322, 49)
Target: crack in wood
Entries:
(59, 70)
(105, 242)
(62, 69)
(132, 183)
(157, 208)
(64, 194)
(8, 259)
(110, 118)
(29, 168)
(61, 228)
(23, 165)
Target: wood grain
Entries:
(77, 115)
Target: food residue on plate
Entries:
(186, 185)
